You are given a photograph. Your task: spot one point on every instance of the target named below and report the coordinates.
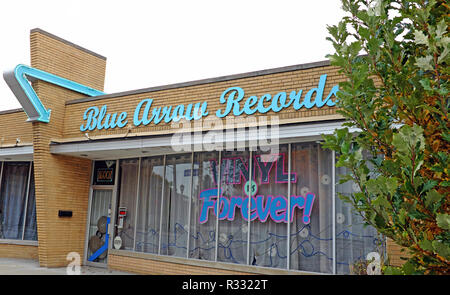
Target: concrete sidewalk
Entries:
(15, 266)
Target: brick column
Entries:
(62, 182)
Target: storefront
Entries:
(223, 175)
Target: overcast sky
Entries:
(152, 43)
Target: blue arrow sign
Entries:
(19, 80)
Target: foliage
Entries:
(371, 264)
(395, 57)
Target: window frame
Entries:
(251, 150)
(21, 240)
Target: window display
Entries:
(249, 207)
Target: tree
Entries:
(395, 57)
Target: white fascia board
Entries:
(284, 132)
(16, 151)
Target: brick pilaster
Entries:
(62, 183)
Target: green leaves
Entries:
(425, 63)
(443, 221)
(402, 172)
(420, 38)
(382, 186)
(409, 143)
(441, 248)
(441, 28)
(409, 140)
(433, 200)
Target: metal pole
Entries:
(88, 223)
(113, 221)
(137, 202)
(190, 205)
(26, 201)
(288, 258)
(1, 175)
(249, 202)
(217, 205)
(333, 206)
(162, 202)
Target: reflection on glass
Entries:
(202, 243)
(311, 243)
(232, 236)
(12, 199)
(127, 199)
(177, 218)
(353, 240)
(177, 195)
(268, 232)
(149, 204)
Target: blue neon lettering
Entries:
(90, 116)
(319, 94)
(333, 92)
(232, 102)
(144, 120)
(231, 99)
(261, 108)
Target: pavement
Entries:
(16, 266)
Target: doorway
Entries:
(99, 222)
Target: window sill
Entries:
(19, 242)
(211, 264)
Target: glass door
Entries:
(99, 223)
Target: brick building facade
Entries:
(86, 167)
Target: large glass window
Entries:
(129, 170)
(260, 207)
(268, 230)
(202, 240)
(149, 208)
(233, 208)
(312, 225)
(354, 240)
(17, 201)
(30, 217)
(177, 196)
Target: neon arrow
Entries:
(19, 80)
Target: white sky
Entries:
(152, 43)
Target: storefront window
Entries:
(175, 213)
(149, 208)
(353, 240)
(30, 221)
(129, 169)
(268, 230)
(197, 206)
(202, 241)
(17, 201)
(233, 218)
(312, 226)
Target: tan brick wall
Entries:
(154, 267)
(394, 252)
(18, 251)
(62, 183)
(272, 83)
(13, 125)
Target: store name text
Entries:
(233, 101)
